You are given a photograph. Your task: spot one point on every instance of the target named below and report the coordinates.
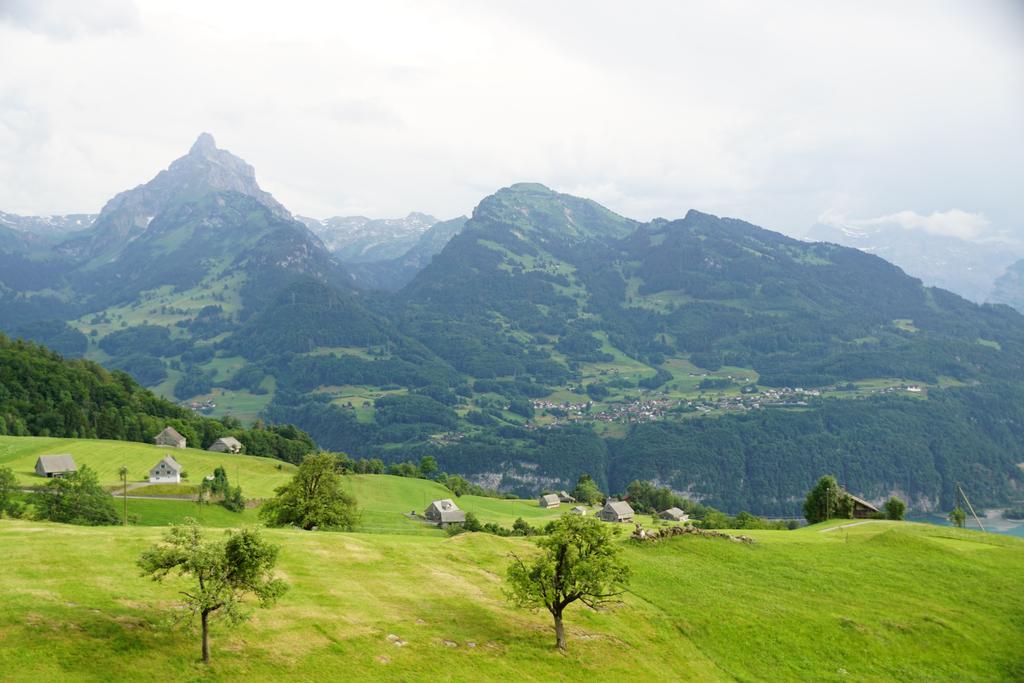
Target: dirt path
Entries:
(846, 526)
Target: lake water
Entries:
(993, 522)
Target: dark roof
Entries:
(861, 501)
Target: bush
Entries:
(894, 508)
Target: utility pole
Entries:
(123, 472)
(969, 506)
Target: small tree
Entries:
(586, 491)
(895, 508)
(76, 498)
(8, 487)
(827, 500)
(578, 561)
(313, 498)
(224, 572)
(122, 472)
(958, 517)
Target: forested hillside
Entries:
(42, 394)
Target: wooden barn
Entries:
(862, 509)
(169, 438)
(55, 465)
(444, 512)
(616, 511)
(549, 500)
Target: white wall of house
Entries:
(161, 474)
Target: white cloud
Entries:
(764, 112)
(70, 18)
(952, 223)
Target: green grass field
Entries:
(871, 601)
(880, 601)
(258, 477)
(383, 500)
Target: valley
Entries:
(541, 338)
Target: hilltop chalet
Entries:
(861, 508)
(564, 497)
(50, 466)
(226, 444)
(549, 500)
(674, 515)
(167, 471)
(616, 511)
(169, 438)
(443, 512)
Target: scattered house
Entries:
(167, 471)
(861, 508)
(55, 465)
(674, 515)
(564, 497)
(616, 511)
(444, 512)
(169, 438)
(549, 500)
(578, 510)
(226, 444)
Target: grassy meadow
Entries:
(257, 476)
(879, 601)
(871, 601)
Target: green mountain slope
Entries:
(544, 340)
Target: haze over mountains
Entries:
(542, 337)
(968, 267)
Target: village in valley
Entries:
(659, 406)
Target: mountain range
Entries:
(542, 337)
(969, 268)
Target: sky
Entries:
(785, 114)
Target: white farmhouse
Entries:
(167, 471)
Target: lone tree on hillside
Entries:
(958, 517)
(586, 491)
(579, 561)
(895, 508)
(313, 498)
(224, 573)
(76, 498)
(827, 500)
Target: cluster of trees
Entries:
(520, 527)
(219, 487)
(75, 498)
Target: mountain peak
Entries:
(203, 145)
